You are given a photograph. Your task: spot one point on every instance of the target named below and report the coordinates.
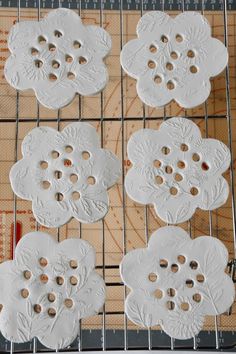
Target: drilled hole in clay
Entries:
(158, 293)
(170, 305)
(151, 64)
(59, 280)
(58, 33)
(73, 280)
(38, 63)
(153, 48)
(68, 58)
(181, 164)
(51, 47)
(164, 39)
(184, 147)
(174, 55)
(68, 303)
(197, 297)
(46, 184)
(181, 259)
(51, 297)
(57, 174)
(174, 268)
(196, 157)
(43, 262)
(165, 150)
(200, 278)
(75, 195)
(52, 77)
(171, 292)
(193, 265)
(168, 169)
(169, 66)
(37, 308)
(194, 191)
(73, 178)
(67, 163)
(190, 53)
(69, 149)
(51, 312)
(27, 274)
(55, 154)
(1, 307)
(163, 263)
(59, 197)
(184, 306)
(170, 85)
(157, 163)
(24, 293)
(34, 51)
(179, 38)
(42, 40)
(189, 283)
(43, 278)
(205, 166)
(193, 69)
(76, 44)
(85, 155)
(43, 165)
(178, 177)
(173, 191)
(82, 60)
(70, 75)
(159, 180)
(55, 64)
(73, 264)
(157, 79)
(91, 180)
(152, 277)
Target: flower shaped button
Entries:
(177, 170)
(173, 59)
(47, 288)
(177, 281)
(57, 57)
(65, 174)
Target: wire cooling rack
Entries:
(117, 113)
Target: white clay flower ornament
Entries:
(57, 57)
(47, 289)
(65, 174)
(173, 58)
(176, 170)
(175, 282)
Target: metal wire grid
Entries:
(122, 119)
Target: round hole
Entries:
(193, 265)
(43, 262)
(57, 174)
(55, 64)
(85, 155)
(157, 163)
(52, 77)
(55, 154)
(42, 40)
(171, 292)
(158, 293)
(43, 278)
(27, 274)
(153, 48)
(194, 191)
(38, 63)
(51, 47)
(73, 264)
(82, 60)
(174, 268)
(164, 39)
(46, 184)
(51, 312)
(184, 147)
(181, 259)
(151, 64)
(59, 197)
(75, 195)
(91, 180)
(178, 177)
(169, 66)
(179, 38)
(190, 53)
(68, 149)
(68, 58)
(197, 298)
(196, 157)
(205, 166)
(37, 308)
(163, 263)
(34, 51)
(184, 306)
(152, 277)
(181, 164)
(1, 307)
(173, 191)
(159, 180)
(174, 55)
(73, 178)
(170, 85)
(170, 305)
(68, 303)
(189, 283)
(57, 33)
(43, 165)
(157, 79)
(165, 150)
(168, 170)
(59, 280)
(76, 44)
(73, 280)
(70, 75)
(24, 293)
(51, 297)
(200, 278)
(67, 163)
(193, 69)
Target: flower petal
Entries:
(55, 95)
(36, 139)
(21, 35)
(100, 40)
(193, 25)
(216, 57)
(154, 23)
(13, 73)
(214, 194)
(82, 135)
(51, 213)
(22, 181)
(181, 128)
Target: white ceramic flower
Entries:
(47, 288)
(176, 170)
(173, 58)
(177, 281)
(57, 57)
(65, 174)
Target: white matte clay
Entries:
(65, 174)
(175, 282)
(176, 170)
(57, 57)
(173, 58)
(47, 288)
